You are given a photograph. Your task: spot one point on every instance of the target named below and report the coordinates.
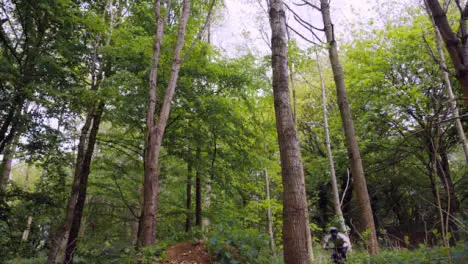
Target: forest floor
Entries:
(188, 253)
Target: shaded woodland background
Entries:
(74, 97)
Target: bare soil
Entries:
(188, 253)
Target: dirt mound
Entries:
(188, 253)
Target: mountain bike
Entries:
(337, 256)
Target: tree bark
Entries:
(69, 230)
(146, 228)
(156, 131)
(457, 46)
(206, 205)
(336, 196)
(28, 228)
(443, 171)
(64, 228)
(207, 198)
(81, 185)
(30, 218)
(295, 213)
(434, 144)
(198, 199)
(11, 121)
(310, 249)
(359, 180)
(188, 205)
(6, 166)
(448, 85)
(26, 178)
(269, 216)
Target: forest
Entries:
(128, 135)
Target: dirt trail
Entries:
(188, 253)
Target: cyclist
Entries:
(340, 242)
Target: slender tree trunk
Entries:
(6, 166)
(26, 178)
(28, 228)
(456, 47)
(310, 247)
(434, 146)
(10, 122)
(206, 205)
(440, 166)
(207, 198)
(443, 171)
(84, 221)
(65, 227)
(146, 227)
(30, 218)
(134, 233)
(155, 132)
(69, 230)
(269, 216)
(85, 168)
(291, 78)
(295, 213)
(189, 195)
(359, 180)
(336, 196)
(198, 199)
(445, 241)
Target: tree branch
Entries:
(202, 30)
(305, 25)
(431, 53)
(123, 197)
(7, 42)
(11, 25)
(450, 119)
(297, 17)
(311, 5)
(302, 36)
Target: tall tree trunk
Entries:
(359, 180)
(26, 178)
(336, 196)
(456, 45)
(198, 199)
(445, 176)
(28, 228)
(207, 198)
(134, 232)
(310, 249)
(295, 213)
(269, 216)
(6, 166)
(64, 228)
(82, 184)
(188, 205)
(146, 226)
(155, 132)
(434, 144)
(10, 122)
(69, 230)
(291, 78)
(206, 205)
(30, 218)
(448, 85)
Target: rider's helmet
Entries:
(333, 231)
